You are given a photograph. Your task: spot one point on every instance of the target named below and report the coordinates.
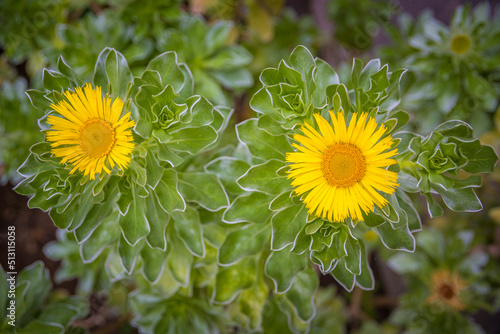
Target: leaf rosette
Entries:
(447, 162)
(145, 216)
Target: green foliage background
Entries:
(202, 232)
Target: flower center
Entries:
(460, 44)
(97, 137)
(446, 291)
(343, 165)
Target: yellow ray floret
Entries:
(87, 132)
(340, 170)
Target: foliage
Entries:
(25, 22)
(17, 133)
(37, 309)
(203, 231)
(151, 193)
(435, 252)
(356, 26)
(215, 63)
(465, 85)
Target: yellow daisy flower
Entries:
(343, 168)
(88, 133)
(446, 288)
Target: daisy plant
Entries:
(119, 167)
(81, 42)
(445, 283)
(327, 162)
(217, 63)
(37, 308)
(453, 68)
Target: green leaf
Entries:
(64, 311)
(301, 60)
(66, 70)
(435, 210)
(128, 254)
(353, 259)
(397, 239)
(97, 214)
(282, 266)
(482, 160)
(192, 140)
(33, 166)
(365, 280)
(433, 243)
(153, 169)
(287, 225)
(264, 178)
(357, 67)
(326, 255)
(372, 219)
(324, 76)
(144, 127)
(140, 174)
(32, 288)
(158, 220)
(105, 234)
(252, 207)
(246, 241)
(260, 143)
(165, 154)
(217, 35)
(200, 112)
(188, 227)
(112, 73)
(53, 80)
(204, 189)
(63, 216)
(230, 281)
(268, 124)
(82, 206)
(459, 199)
(229, 58)
(36, 326)
(253, 300)
(167, 67)
(162, 136)
(344, 276)
(234, 79)
(134, 223)
(180, 260)
(228, 169)
(262, 102)
(405, 263)
(38, 99)
(168, 194)
(153, 263)
(414, 222)
(448, 95)
(301, 294)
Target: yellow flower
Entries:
(446, 288)
(88, 133)
(460, 44)
(343, 168)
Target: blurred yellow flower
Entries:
(460, 44)
(446, 288)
